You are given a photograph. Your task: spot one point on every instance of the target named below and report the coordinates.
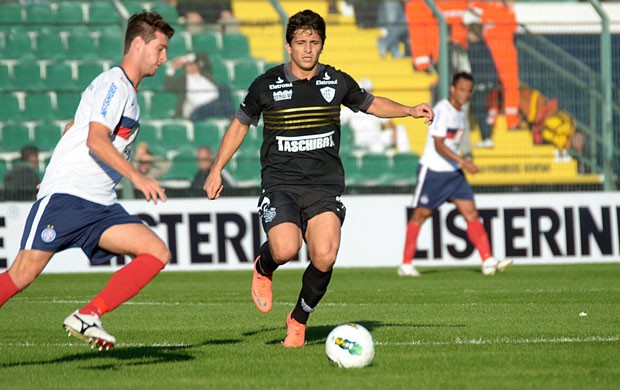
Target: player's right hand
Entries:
(213, 185)
(150, 188)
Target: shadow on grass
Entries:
(318, 334)
(125, 356)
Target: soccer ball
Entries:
(350, 345)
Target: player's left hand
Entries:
(423, 110)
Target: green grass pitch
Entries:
(450, 329)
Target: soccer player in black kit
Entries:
(302, 175)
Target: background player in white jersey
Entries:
(441, 180)
(76, 205)
(302, 175)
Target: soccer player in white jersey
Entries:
(76, 204)
(441, 180)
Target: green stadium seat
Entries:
(163, 105)
(177, 46)
(9, 107)
(352, 168)
(59, 77)
(250, 146)
(149, 134)
(207, 42)
(220, 72)
(404, 168)
(87, 71)
(102, 12)
(10, 13)
(207, 133)
(235, 46)
(245, 72)
(38, 106)
(3, 164)
(69, 13)
(46, 136)
(39, 14)
(66, 104)
(167, 11)
(246, 170)
(50, 46)
(14, 137)
(155, 82)
(81, 47)
(5, 78)
(175, 136)
(18, 46)
(110, 45)
(347, 142)
(376, 168)
(27, 76)
(238, 95)
(183, 167)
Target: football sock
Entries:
(478, 236)
(313, 287)
(124, 284)
(411, 240)
(7, 288)
(265, 264)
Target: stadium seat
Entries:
(404, 168)
(9, 107)
(18, 46)
(183, 167)
(87, 71)
(235, 46)
(69, 13)
(207, 42)
(5, 79)
(177, 46)
(66, 104)
(39, 14)
(59, 77)
(81, 46)
(347, 142)
(220, 72)
(110, 45)
(155, 82)
(3, 164)
(376, 168)
(352, 168)
(246, 170)
(245, 72)
(167, 11)
(175, 136)
(50, 47)
(163, 105)
(14, 137)
(27, 76)
(149, 133)
(46, 136)
(10, 13)
(102, 12)
(207, 133)
(38, 106)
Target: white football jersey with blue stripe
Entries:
(111, 100)
(450, 124)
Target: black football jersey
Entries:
(301, 117)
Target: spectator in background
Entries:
(373, 133)
(199, 14)
(150, 165)
(391, 16)
(200, 96)
(21, 182)
(204, 158)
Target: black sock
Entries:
(265, 265)
(314, 285)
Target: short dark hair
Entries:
(27, 151)
(305, 20)
(461, 75)
(145, 24)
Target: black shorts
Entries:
(297, 205)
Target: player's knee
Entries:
(283, 253)
(324, 260)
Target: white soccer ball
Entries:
(350, 345)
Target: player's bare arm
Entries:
(99, 143)
(387, 108)
(230, 143)
(445, 151)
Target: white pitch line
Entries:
(414, 343)
(502, 341)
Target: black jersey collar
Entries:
(291, 77)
